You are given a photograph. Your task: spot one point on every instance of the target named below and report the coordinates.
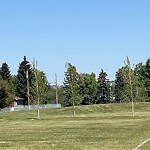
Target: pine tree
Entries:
(119, 85)
(103, 91)
(21, 85)
(147, 75)
(71, 86)
(5, 72)
(6, 87)
(3, 96)
(139, 73)
(88, 88)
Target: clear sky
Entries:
(90, 34)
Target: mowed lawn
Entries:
(97, 127)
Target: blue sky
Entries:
(90, 34)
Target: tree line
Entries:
(78, 88)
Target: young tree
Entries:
(71, 86)
(5, 72)
(130, 81)
(41, 87)
(103, 91)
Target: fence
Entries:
(30, 107)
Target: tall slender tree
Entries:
(24, 72)
(41, 87)
(103, 91)
(130, 81)
(119, 86)
(71, 86)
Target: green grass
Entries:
(97, 127)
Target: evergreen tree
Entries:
(24, 72)
(119, 86)
(147, 77)
(140, 81)
(71, 86)
(61, 95)
(6, 85)
(6, 92)
(103, 91)
(5, 72)
(3, 94)
(88, 88)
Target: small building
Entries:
(17, 101)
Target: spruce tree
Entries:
(103, 92)
(5, 72)
(139, 72)
(147, 76)
(71, 86)
(3, 96)
(21, 85)
(119, 85)
(88, 88)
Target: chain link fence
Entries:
(30, 107)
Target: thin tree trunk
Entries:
(74, 109)
(131, 91)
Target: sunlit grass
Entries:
(98, 127)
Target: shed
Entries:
(17, 101)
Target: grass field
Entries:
(97, 127)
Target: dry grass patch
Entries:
(97, 127)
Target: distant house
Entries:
(17, 101)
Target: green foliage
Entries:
(103, 91)
(5, 72)
(88, 88)
(61, 95)
(125, 88)
(6, 92)
(147, 77)
(139, 72)
(6, 85)
(71, 86)
(77, 88)
(21, 84)
(3, 94)
(129, 79)
(119, 85)
(41, 87)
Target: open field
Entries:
(99, 127)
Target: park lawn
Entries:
(96, 127)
